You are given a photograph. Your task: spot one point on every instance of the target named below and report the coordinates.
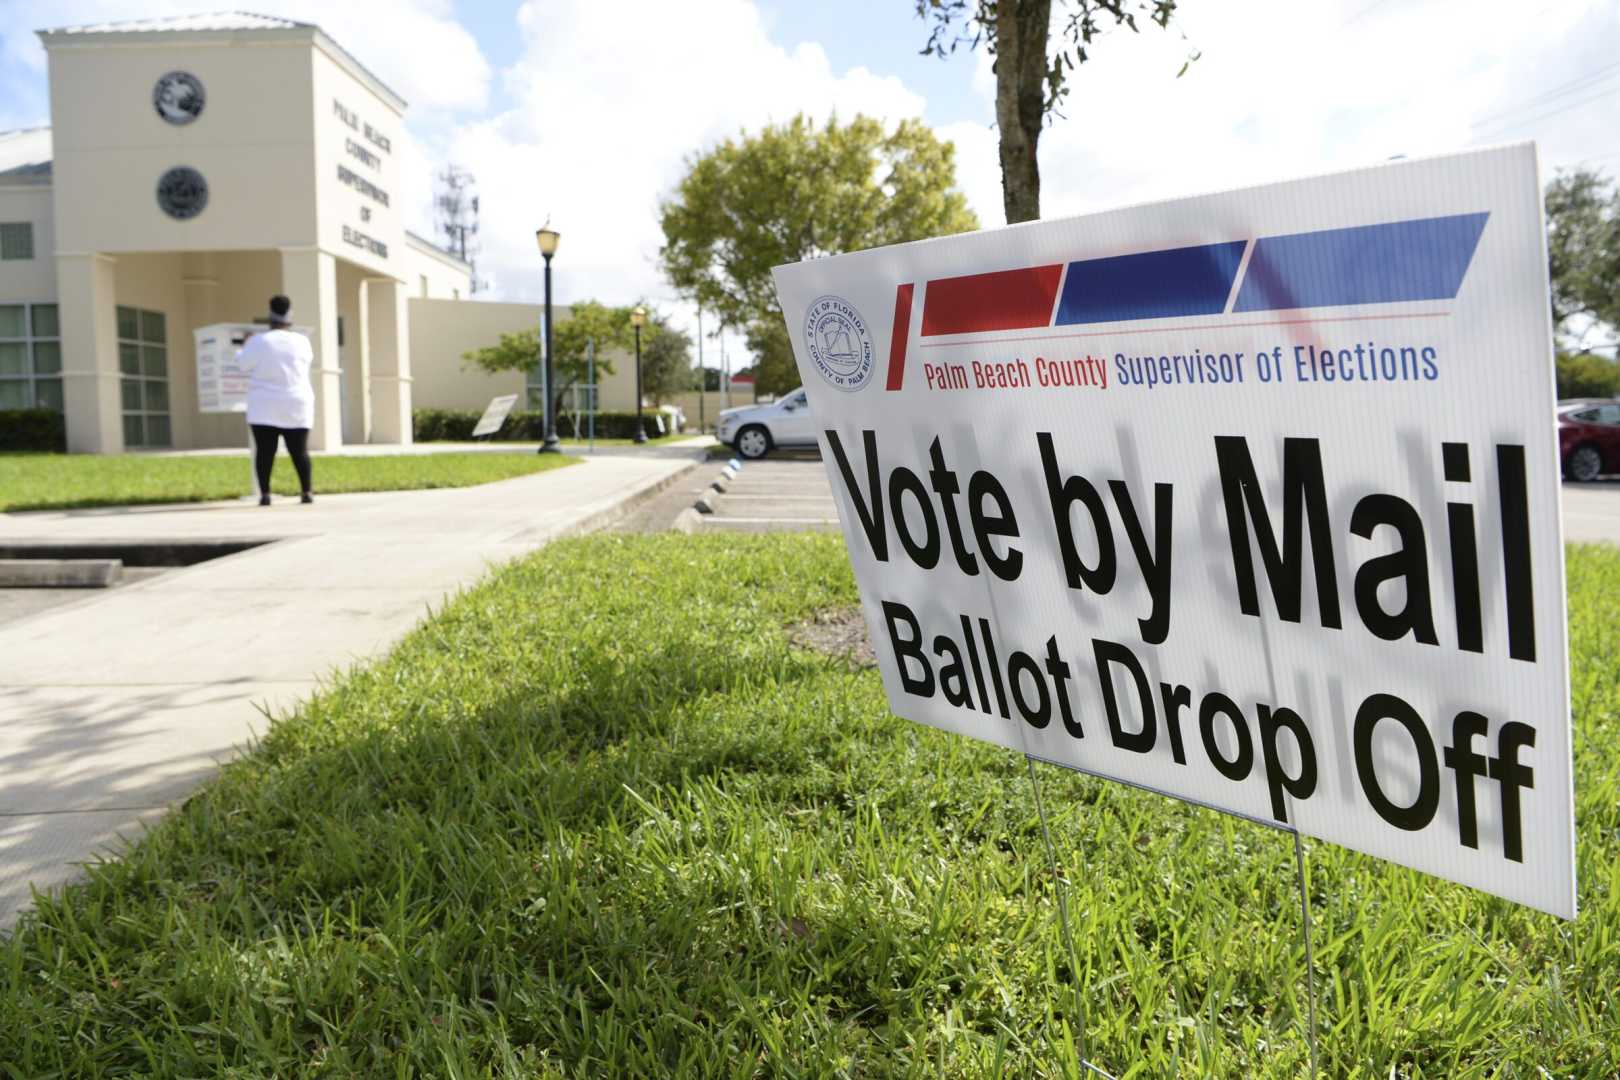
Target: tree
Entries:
(585, 322)
(666, 361)
(1585, 375)
(775, 370)
(1032, 79)
(1583, 249)
(798, 191)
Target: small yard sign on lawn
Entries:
(1250, 498)
(495, 415)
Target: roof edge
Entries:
(70, 38)
(428, 247)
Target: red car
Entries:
(1589, 438)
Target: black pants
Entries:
(264, 447)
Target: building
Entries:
(193, 167)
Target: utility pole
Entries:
(703, 373)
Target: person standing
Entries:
(280, 398)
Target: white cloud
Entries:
(1285, 88)
(606, 102)
(609, 103)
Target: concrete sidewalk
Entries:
(114, 706)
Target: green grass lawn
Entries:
(598, 818)
(63, 481)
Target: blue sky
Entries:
(586, 111)
(885, 36)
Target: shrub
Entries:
(33, 429)
(1585, 375)
(456, 425)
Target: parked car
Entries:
(1589, 438)
(755, 430)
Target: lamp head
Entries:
(547, 238)
(638, 316)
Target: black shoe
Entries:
(306, 497)
(264, 500)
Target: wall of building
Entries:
(29, 279)
(253, 144)
(705, 411)
(357, 143)
(442, 330)
(431, 274)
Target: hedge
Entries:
(33, 429)
(456, 425)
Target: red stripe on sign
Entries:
(897, 340)
(1004, 300)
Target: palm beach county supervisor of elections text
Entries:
(1360, 361)
(936, 518)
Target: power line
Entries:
(1364, 12)
(1574, 85)
(1499, 130)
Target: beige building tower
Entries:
(194, 166)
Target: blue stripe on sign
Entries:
(1150, 285)
(1421, 259)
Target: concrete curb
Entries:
(606, 517)
(59, 573)
(688, 521)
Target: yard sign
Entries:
(1250, 498)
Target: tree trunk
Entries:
(1021, 29)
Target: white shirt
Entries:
(279, 391)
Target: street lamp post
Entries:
(638, 318)
(547, 238)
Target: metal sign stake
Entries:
(1063, 915)
(1305, 931)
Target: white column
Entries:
(309, 280)
(360, 357)
(389, 349)
(87, 298)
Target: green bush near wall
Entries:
(456, 425)
(42, 430)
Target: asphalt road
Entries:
(786, 492)
(1592, 511)
(789, 492)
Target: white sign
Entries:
(495, 415)
(1251, 499)
(221, 381)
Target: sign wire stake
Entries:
(1305, 931)
(1063, 916)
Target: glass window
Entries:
(27, 355)
(1609, 414)
(143, 360)
(47, 357)
(48, 394)
(17, 240)
(45, 321)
